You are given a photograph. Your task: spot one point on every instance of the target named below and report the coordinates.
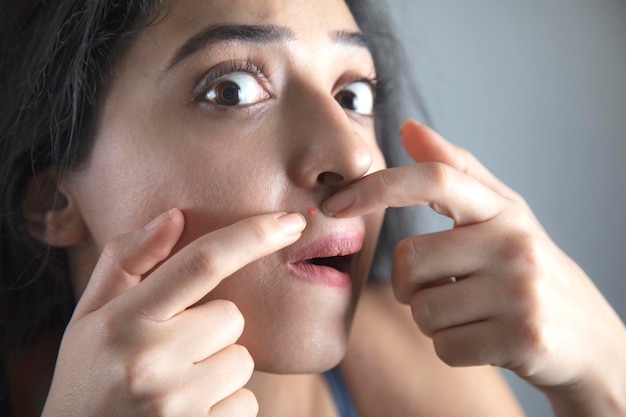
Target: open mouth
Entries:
(330, 261)
(340, 263)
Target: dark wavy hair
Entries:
(57, 56)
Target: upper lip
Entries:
(330, 246)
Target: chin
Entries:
(311, 352)
(300, 363)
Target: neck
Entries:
(290, 395)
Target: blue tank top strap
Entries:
(341, 393)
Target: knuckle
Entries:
(413, 254)
(259, 232)
(524, 252)
(446, 352)
(405, 253)
(529, 332)
(530, 347)
(201, 261)
(531, 336)
(241, 356)
(141, 373)
(242, 403)
(386, 180)
(230, 314)
(517, 198)
(250, 405)
(441, 180)
(405, 268)
(441, 175)
(423, 313)
(472, 353)
(160, 407)
(114, 248)
(465, 155)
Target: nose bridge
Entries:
(327, 149)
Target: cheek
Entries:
(124, 187)
(373, 223)
(378, 159)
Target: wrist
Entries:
(596, 396)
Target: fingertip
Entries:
(128, 257)
(411, 133)
(340, 201)
(157, 240)
(162, 219)
(292, 224)
(424, 144)
(176, 217)
(408, 123)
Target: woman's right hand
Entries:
(139, 345)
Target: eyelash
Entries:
(374, 82)
(227, 68)
(377, 85)
(381, 87)
(230, 67)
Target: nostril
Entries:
(330, 178)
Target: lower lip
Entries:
(322, 275)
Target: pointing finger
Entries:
(448, 191)
(129, 256)
(199, 267)
(425, 145)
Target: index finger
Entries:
(445, 189)
(198, 268)
(424, 144)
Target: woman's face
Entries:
(232, 108)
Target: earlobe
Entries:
(51, 214)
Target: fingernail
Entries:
(159, 221)
(341, 201)
(407, 122)
(292, 223)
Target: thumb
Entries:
(425, 145)
(127, 258)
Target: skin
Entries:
(221, 165)
(181, 317)
(161, 144)
(518, 302)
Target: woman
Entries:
(208, 182)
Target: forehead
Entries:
(306, 13)
(311, 22)
(305, 18)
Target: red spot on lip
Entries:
(312, 211)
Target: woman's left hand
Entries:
(518, 301)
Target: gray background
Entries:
(537, 91)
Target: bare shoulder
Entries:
(392, 369)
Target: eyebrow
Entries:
(351, 39)
(252, 34)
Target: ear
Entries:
(50, 212)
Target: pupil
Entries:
(229, 93)
(348, 100)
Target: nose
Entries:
(327, 148)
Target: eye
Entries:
(239, 89)
(358, 96)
